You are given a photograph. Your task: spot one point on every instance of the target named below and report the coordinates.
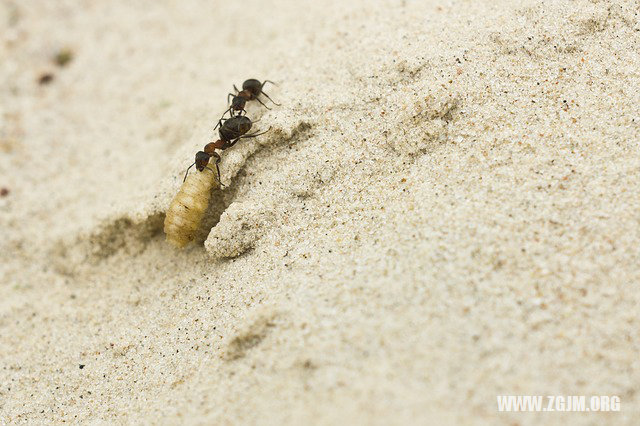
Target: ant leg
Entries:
(236, 89)
(232, 143)
(258, 99)
(252, 135)
(213, 171)
(271, 99)
(265, 82)
(187, 172)
(217, 157)
(230, 94)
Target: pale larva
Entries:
(188, 207)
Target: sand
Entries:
(446, 209)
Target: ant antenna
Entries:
(187, 172)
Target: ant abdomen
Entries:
(235, 127)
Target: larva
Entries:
(187, 208)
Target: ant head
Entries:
(202, 159)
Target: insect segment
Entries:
(233, 129)
(251, 89)
(190, 204)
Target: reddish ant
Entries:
(233, 129)
(251, 89)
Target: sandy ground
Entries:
(446, 209)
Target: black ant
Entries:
(233, 129)
(251, 89)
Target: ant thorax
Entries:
(211, 147)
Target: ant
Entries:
(251, 89)
(233, 129)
